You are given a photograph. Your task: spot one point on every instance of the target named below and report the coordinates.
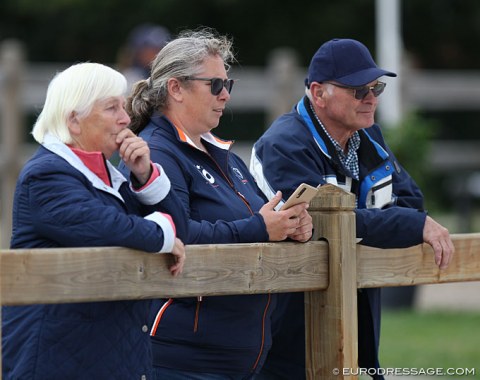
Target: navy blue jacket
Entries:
(59, 202)
(224, 334)
(389, 214)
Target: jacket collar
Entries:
(96, 162)
(302, 109)
(54, 145)
(181, 136)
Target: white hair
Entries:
(76, 89)
(328, 88)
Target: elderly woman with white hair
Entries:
(69, 195)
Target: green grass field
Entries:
(430, 340)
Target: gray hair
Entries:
(76, 89)
(180, 58)
(328, 87)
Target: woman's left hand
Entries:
(304, 230)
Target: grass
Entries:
(431, 339)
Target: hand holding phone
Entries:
(303, 193)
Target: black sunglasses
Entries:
(361, 92)
(216, 84)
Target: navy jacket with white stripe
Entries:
(389, 214)
(59, 202)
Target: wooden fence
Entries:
(329, 269)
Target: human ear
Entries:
(175, 90)
(318, 92)
(73, 124)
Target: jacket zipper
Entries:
(197, 313)
(200, 298)
(240, 195)
(263, 333)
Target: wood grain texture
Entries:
(331, 315)
(99, 274)
(416, 265)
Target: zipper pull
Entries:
(242, 196)
(199, 298)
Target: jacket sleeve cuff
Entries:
(165, 222)
(261, 234)
(156, 189)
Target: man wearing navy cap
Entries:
(330, 136)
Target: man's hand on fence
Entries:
(439, 238)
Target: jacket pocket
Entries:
(380, 195)
(159, 316)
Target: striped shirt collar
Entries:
(350, 159)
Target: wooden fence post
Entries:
(331, 315)
(11, 111)
(283, 72)
(11, 61)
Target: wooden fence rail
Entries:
(329, 269)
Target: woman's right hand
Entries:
(281, 224)
(178, 253)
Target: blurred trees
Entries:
(71, 30)
(438, 34)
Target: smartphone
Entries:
(303, 193)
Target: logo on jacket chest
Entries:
(239, 175)
(206, 175)
(210, 179)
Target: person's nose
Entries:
(370, 98)
(125, 119)
(224, 94)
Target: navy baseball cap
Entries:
(345, 61)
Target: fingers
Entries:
(131, 148)
(293, 222)
(178, 253)
(272, 203)
(445, 254)
(287, 228)
(448, 254)
(302, 235)
(135, 153)
(439, 238)
(304, 229)
(297, 210)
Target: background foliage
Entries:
(437, 35)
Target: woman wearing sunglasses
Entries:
(224, 337)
